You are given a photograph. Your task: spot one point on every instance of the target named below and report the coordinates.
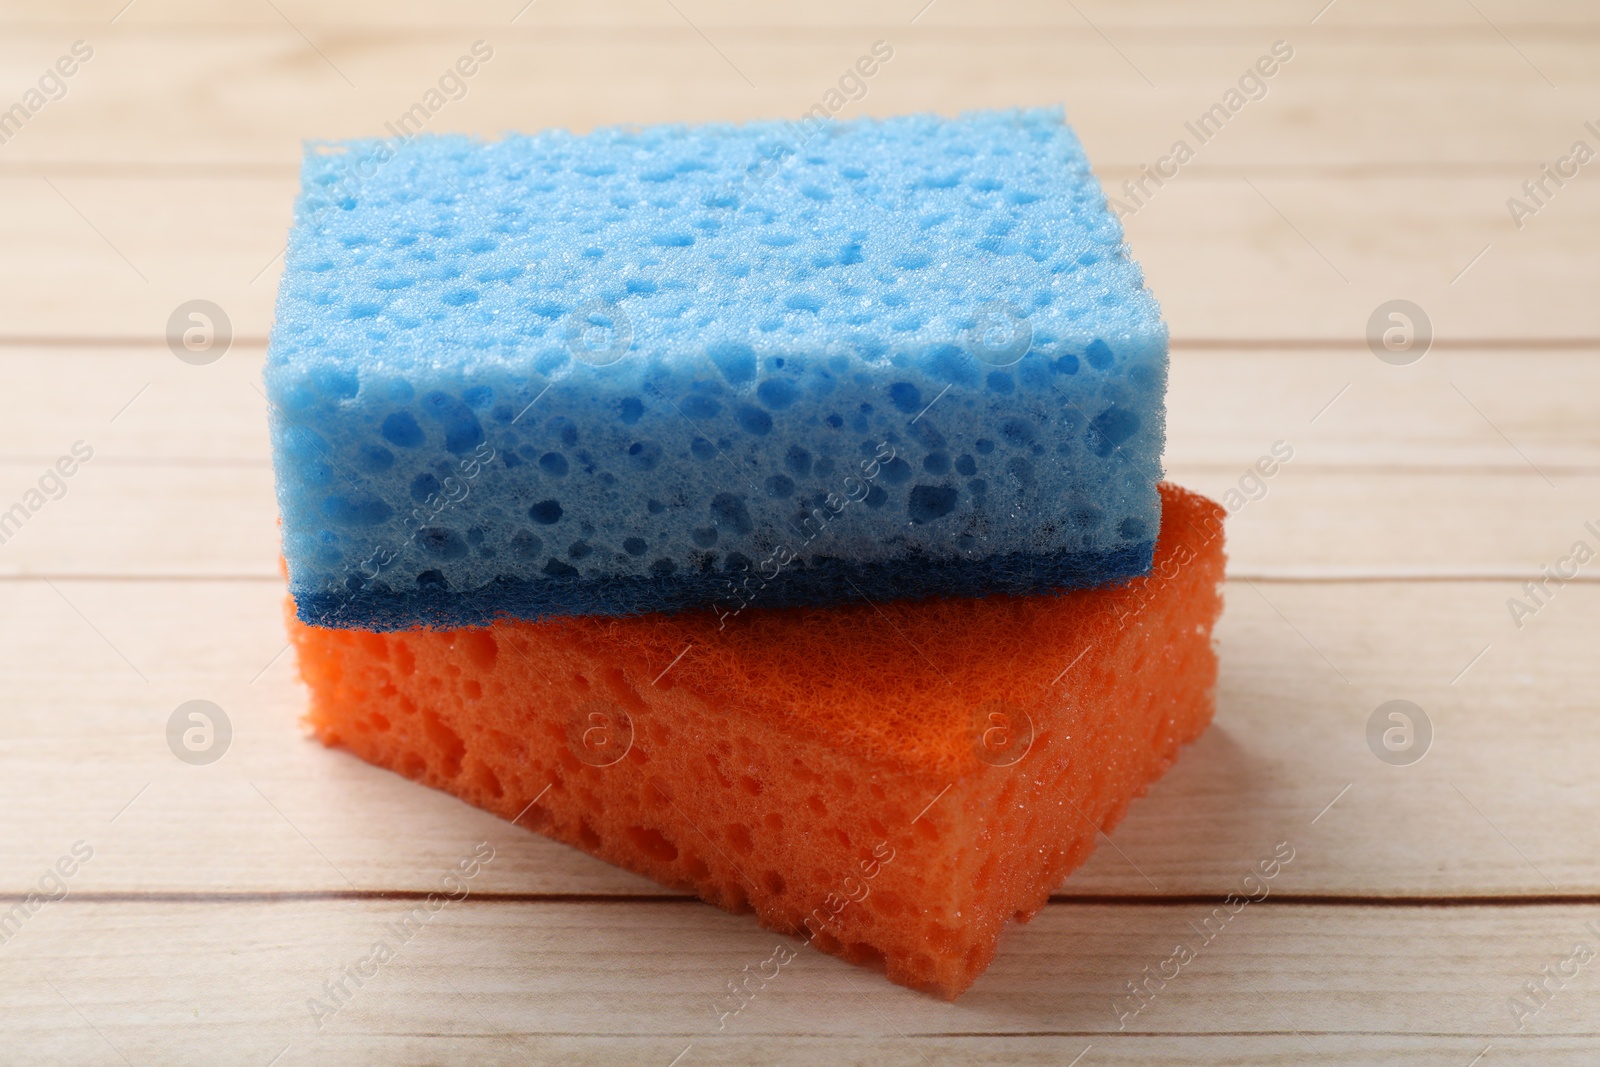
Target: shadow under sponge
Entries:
(687, 366)
(892, 783)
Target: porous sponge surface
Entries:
(911, 357)
(839, 772)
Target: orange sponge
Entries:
(890, 782)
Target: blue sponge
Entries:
(710, 366)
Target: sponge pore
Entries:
(890, 784)
(765, 365)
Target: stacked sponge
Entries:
(823, 463)
(558, 375)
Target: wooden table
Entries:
(1377, 565)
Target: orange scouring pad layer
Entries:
(889, 782)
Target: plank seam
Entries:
(1176, 344)
(1264, 577)
(1132, 900)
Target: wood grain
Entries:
(1304, 522)
(519, 983)
(1173, 16)
(96, 667)
(1455, 410)
(1377, 565)
(1233, 255)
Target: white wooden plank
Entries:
(1446, 468)
(199, 94)
(1453, 409)
(1228, 255)
(1304, 666)
(169, 982)
(375, 15)
(1306, 521)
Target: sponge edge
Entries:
(611, 374)
(892, 785)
